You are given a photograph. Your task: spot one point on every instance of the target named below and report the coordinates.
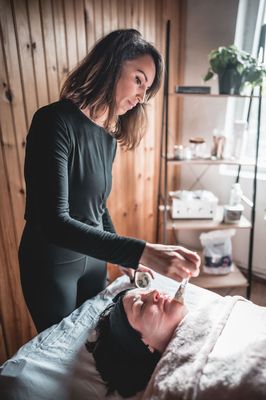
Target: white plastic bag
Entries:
(217, 251)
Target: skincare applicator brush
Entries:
(180, 291)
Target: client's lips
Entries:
(168, 301)
(164, 300)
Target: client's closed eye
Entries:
(138, 303)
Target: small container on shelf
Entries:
(178, 152)
(187, 153)
(218, 145)
(181, 152)
(197, 145)
(233, 211)
(232, 214)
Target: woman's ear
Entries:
(148, 345)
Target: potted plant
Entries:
(235, 69)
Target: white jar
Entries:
(178, 152)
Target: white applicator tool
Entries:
(180, 291)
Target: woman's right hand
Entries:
(176, 262)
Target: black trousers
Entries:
(55, 281)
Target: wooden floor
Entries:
(258, 292)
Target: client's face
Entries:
(154, 315)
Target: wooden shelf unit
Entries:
(207, 224)
(220, 96)
(205, 280)
(233, 279)
(209, 161)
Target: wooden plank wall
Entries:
(41, 40)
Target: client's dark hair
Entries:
(124, 362)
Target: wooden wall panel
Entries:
(24, 46)
(12, 115)
(49, 46)
(41, 41)
(37, 53)
(60, 41)
(89, 23)
(80, 30)
(3, 353)
(16, 328)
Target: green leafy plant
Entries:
(245, 67)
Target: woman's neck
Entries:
(100, 117)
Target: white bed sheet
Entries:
(56, 365)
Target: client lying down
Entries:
(132, 334)
(216, 350)
(145, 340)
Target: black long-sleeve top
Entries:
(68, 173)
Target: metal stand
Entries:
(163, 192)
(164, 146)
(261, 50)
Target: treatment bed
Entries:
(219, 351)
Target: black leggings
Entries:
(55, 280)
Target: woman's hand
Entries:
(127, 271)
(142, 268)
(176, 262)
(130, 272)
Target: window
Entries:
(251, 16)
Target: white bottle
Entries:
(235, 195)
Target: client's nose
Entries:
(155, 295)
(152, 296)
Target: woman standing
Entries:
(71, 145)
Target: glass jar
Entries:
(178, 152)
(197, 145)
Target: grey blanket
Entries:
(218, 352)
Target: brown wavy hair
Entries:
(93, 82)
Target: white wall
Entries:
(211, 23)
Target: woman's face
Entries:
(136, 77)
(154, 315)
